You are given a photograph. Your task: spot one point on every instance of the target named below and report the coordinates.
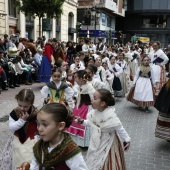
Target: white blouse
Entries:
(116, 69)
(75, 69)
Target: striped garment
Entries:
(160, 84)
(163, 126)
(115, 159)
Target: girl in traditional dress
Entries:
(100, 74)
(105, 151)
(116, 71)
(158, 61)
(109, 78)
(77, 65)
(58, 91)
(91, 70)
(22, 122)
(79, 133)
(56, 149)
(162, 105)
(142, 92)
(134, 64)
(125, 76)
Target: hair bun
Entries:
(86, 76)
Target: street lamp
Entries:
(95, 15)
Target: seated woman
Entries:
(22, 71)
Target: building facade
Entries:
(63, 28)
(147, 18)
(98, 18)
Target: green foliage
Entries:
(52, 8)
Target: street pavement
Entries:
(146, 151)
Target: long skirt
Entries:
(125, 82)
(163, 126)
(142, 94)
(22, 152)
(160, 84)
(115, 159)
(117, 87)
(45, 70)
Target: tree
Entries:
(40, 8)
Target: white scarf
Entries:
(100, 122)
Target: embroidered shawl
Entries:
(144, 71)
(53, 86)
(64, 151)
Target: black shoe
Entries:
(16, 85)
(11, 86)
(4, 88)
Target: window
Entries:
(108, 21)
(11, 8)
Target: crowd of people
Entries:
(82, 81)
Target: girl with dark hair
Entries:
(91, 70)
(162, 105)
(77, 65)
(105, 150)
(58, 91)
(63, 66)
(101, 73)
(91, 61)
(109, 78)
(22, 122)
(142, 92)
(125, 75)
(56, 149)
(116, 71)
(85, 90)
(158, 60)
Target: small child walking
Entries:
(142, 92)
(105, 151)
(80, 134)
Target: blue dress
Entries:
(45, 70)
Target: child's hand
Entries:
(79, 120)
(24, 166)
(24, 116)
(126, 146)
